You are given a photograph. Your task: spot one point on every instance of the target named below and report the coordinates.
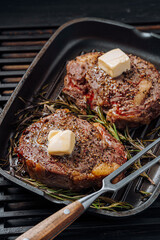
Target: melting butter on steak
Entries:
(131, 99)
(96, 153)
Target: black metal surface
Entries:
(19, 209)
(57, 12)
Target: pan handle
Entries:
(55, 224)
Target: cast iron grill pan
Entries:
(67, 42)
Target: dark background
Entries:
(56, 12)
(25, 26)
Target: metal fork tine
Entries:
(109, 186)
(135, 174)
(131, 161)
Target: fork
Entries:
(56, 223)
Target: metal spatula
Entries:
(56, 223)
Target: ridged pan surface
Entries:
(73, 38)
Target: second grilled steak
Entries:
(96, 153)
(131, 99)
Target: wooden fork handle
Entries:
(55, 224)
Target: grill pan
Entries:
(48, 67)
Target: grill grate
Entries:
(18, 48)
(20, 209)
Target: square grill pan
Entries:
(69, 41)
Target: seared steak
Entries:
(96, 153)
(131, 99)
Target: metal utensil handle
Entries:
(55, 224)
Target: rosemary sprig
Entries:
(60, 194)
(3, 162)
(113, 206)
(138, 165)
(155, 130)
(109, 126)
(65, 102)
(137, 144)
(63, 195)
(145, 194)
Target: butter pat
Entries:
(114, 62)
(61, 142)
(52, 133)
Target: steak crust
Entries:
(96, 153)
(131, 99)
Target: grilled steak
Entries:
(130, 99)
(96, 153)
